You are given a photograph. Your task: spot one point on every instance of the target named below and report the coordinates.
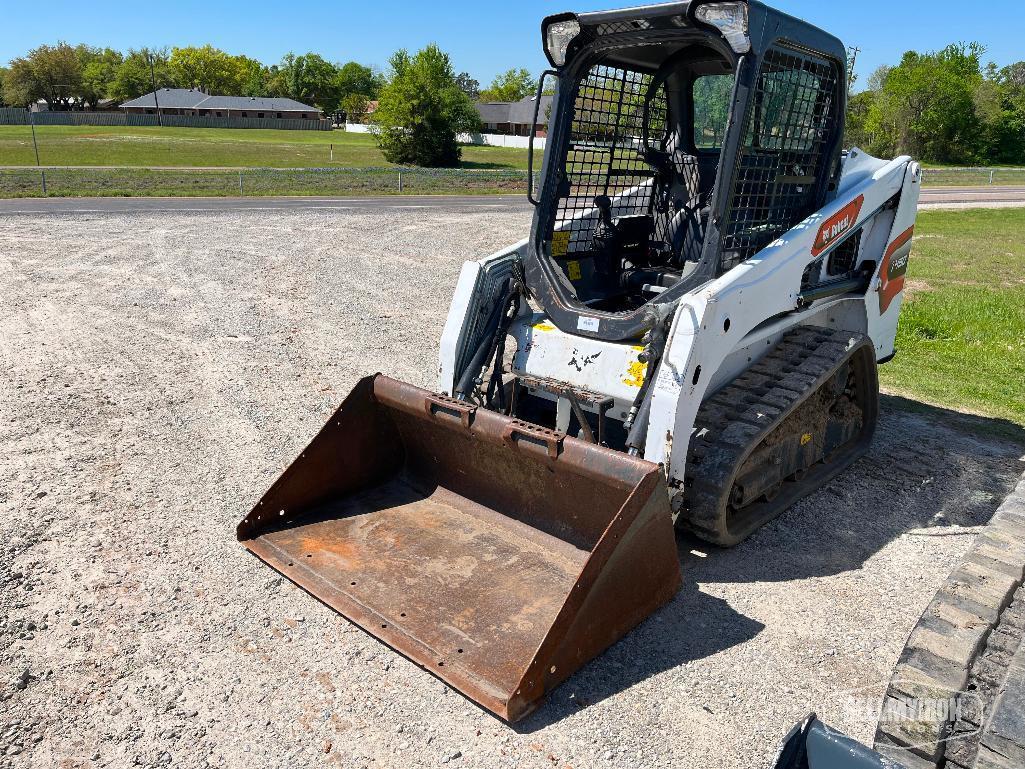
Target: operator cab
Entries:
(660, 172)
(639, 170)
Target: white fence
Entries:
(481, 140)
(501, 140)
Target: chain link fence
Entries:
(175, 182)
(972, 177)
(142, 182)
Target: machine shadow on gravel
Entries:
(929, 468)
(886, 494)
(694, 625)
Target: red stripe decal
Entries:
(895, 267)
(838, 225)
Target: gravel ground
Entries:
(159, 370)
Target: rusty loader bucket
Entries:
(498, 555)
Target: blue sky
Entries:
(484, 38)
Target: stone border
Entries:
(969, 639)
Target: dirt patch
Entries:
(913, 288)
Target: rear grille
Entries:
(617, 27)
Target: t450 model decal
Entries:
(895, 267)
(838, 225)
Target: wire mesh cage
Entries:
(604, 153)
(786, 139)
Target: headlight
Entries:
(730, 19)
(558, 36)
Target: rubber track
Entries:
(730, 424)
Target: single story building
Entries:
(192, 101)
(514, 118)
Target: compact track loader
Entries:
(689, 336)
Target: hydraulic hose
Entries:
(485, 349)
(495, 389)
(639, 430)
(636, 422)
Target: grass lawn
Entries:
(944, 177)
(266, 148)
(191, 182)
(961, 341)
(236, 147)
(945, 166)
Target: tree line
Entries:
(942, 107)
(82, 76)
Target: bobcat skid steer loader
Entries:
(688, 336)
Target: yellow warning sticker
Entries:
(806, 439)
(573, 270)
(560, 243)
(543, 327)
(635, 374)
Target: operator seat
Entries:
(685, 234)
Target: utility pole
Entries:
(852, 59)
(32, 122)
(153, 82)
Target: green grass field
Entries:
(198, 182)
(205, 147)
(259, 148)
(961, 341)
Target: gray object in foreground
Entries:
(813, 745)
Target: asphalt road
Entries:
(938, 197)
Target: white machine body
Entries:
(719, 329)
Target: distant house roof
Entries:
(255, 102)
(192, 98)
(172, 98)
(521, 111)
